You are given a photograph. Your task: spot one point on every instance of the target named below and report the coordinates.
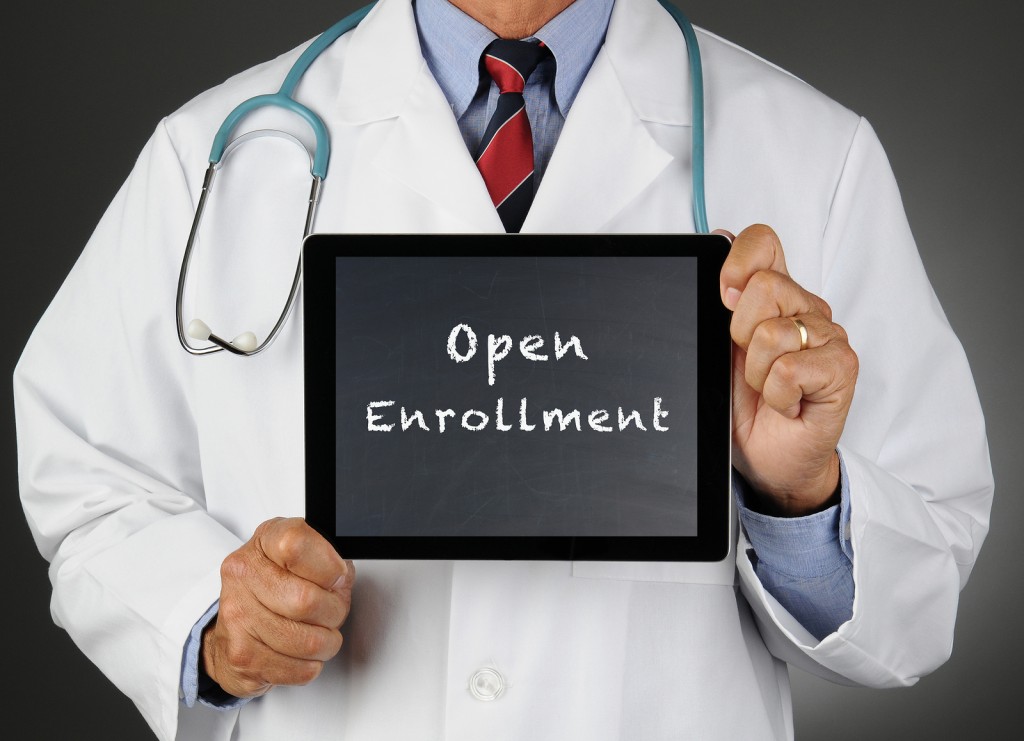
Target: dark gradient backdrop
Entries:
(941, 82)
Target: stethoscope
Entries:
(246, 343)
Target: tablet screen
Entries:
(524, 397)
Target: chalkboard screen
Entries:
(517, 397)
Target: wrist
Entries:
(208, 688)
(207, 659)
(807, 496)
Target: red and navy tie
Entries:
(505, 156)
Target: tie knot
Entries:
(510, 63)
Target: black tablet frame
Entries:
(713, 539)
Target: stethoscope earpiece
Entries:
(199, 330)
(241, 345)
(245, 341)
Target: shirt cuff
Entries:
(806, 563)
(803, 547)
(200, 687)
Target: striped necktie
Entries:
(505, 156)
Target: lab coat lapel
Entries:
(603, 160)
(386, 79)
(606, 157)
(426, 153)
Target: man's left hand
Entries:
(789, 403)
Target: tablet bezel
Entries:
(714, 533)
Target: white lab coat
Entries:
(142, 467)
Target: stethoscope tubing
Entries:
(283, 98)
(700, 211)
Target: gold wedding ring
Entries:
(803, 332)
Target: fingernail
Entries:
(345, 579)
(732, 297)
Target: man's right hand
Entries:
(284, 595)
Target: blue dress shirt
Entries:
(806, 563)
(453, 44)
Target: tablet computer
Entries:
(517, 397)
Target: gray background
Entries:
(940, 81)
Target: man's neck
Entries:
(512, 19)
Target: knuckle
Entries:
(307, 672)
(335, 618)
(769, 286)
(264, 526)
(343, 610)
(230, 612)
(240, 655)
(292, 540)
(763, 281)
(235, 567)
(785, 370)
(771, 334)
(264, 529)
(840, 333)
(754, 380)
(852, 362)
(305, 600)
(332, 645)
(737, 331)
(323, 644)
(312, 643)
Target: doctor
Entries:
(144, 469)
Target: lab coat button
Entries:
(486, 684)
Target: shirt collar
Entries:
(452, 43)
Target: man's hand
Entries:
(284, 595)
(789, 404)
